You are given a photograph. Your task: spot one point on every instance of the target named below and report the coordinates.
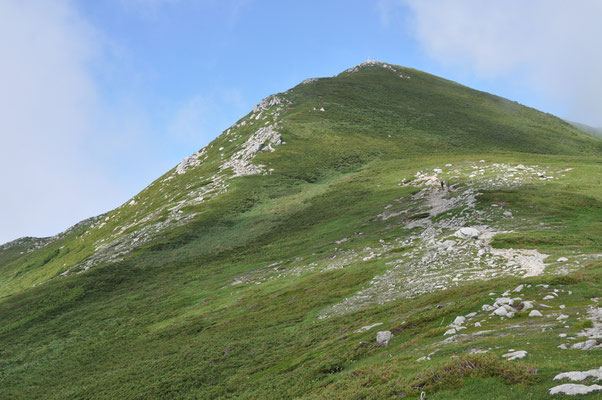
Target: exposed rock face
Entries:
(268, 102)
(241, 162)
(309, 80)
(192, 161)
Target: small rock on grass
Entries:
(573, 388)
(513, 355)
(383, 337)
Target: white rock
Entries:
(588, 344)
(487, 307)
(519, 288)
(562, 259)
(535, 313)
(502, 301)
(548, 297)
(368, 327)
(504, 312)
(477, 324)
(507, 214)
(562, 346)
(527, 305)
(383, 337)
(451, 331)
(472, 314)
(467, 233)
(459, 320)
(561, 317)
(573, 388)
(513, 355)
(577, 376)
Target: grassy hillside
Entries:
(211, 285)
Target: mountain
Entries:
(587, 129)
(263, 265)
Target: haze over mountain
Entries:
(383, 199)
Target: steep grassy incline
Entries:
(255, 268)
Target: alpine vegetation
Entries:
(383, 233)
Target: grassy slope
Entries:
(166, 323)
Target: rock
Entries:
(472, 314)
(561, 317)
(577, 376)
(368, 327)
(477, 324)
(514, 355)
(507, 214)
(459, 320)
(548, 297)
(588, 344)
(383, 337)
(504, 312)
(562, 259)
(527, 305)
(562, 346)
(519, 288)
(467, 233)
(501, 301)
(535, 313)
(573, 388)
(451, 331)
(487, 307)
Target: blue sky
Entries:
(101, 97)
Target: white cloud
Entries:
(48, 102)
(553, 45)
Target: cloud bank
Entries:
(552, 45)
(47, 106)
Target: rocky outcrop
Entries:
(241, 162)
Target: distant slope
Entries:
(587, 129)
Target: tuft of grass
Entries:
(450, 374)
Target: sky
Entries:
(99, 98)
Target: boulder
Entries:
(574, 388)
(503, 311)
(535, 313)
(383, 337)
(467, 233)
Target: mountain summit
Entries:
(461, 224)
